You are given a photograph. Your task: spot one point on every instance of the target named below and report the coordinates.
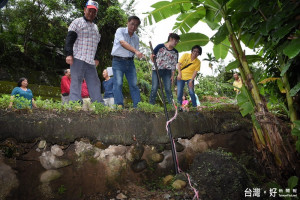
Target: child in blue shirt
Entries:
(108, 90)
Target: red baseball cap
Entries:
(92, 4)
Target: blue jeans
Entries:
(165, 75)
(121, 67)
(180, 86)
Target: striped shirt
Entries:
(88, 37)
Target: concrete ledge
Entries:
(116, 128)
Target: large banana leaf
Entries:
(295, 90)
(242, 5)
(212, 25)
(165, 9)
(212, 14)
(274, 22)
(186, 21)
(221, 50)
(250, 59)
(213, 4)
(212, 18)
(283, 31)
(252, 41)
(293, 49)
(285, 68)
(220, 35)
(188, 40)
(245, 102)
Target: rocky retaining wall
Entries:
(48, 155)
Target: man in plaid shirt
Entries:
(81, 47)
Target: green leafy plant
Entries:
(292, 183)
(4, 101)
(61, 190)
(146, 107)
(21, 102)
(210, 85)
(99, 108)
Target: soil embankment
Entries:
(80, 155)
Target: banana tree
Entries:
(273, 27)
(228, 17)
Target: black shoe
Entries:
(180, 109)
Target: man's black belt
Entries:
(65, 94)
(123, 58)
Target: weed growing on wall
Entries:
(147, 107)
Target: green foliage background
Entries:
(32, 37)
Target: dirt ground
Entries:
(132, 191)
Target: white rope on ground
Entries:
(196, 196)
(173, 118)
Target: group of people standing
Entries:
(81, 54)
(85, 97)
(81, 80)
(81, 50)
(166, 58)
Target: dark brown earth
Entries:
(225, 127)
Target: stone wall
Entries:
(71, 155)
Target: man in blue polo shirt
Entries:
(126, 45)
(81, 46)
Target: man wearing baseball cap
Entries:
(81, 51)
(92, 4)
